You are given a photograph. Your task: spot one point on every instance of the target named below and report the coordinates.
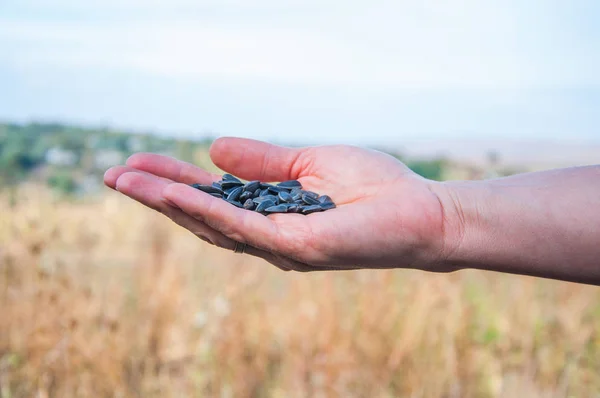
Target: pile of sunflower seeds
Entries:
(285, 197)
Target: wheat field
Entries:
(103, 298)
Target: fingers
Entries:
(148, 190)
(210, 219)
(143, 188)
(237, 224)
(112, 175)
(255, 160)
(170, 168)
(213, 237)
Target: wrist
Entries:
(467, 214)
(531, 224)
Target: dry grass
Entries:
(106, 299)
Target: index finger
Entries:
(256, 160)
(171, 168)
(237, 224)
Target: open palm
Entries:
(386, 216)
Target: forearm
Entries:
(545, 224)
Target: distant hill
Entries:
(523, 155)
(74, 158)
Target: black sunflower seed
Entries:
(244, 196)
(252, 186)
(207, 188)
(293, 208)
(262, 206)
(308, 199)
(297, 197)
(290, 184)
(285, 197)
(249, 204)
(276, 209)
(311, 194)
(235, 203)
(325, 199)
(231, 184)
(311, 209)
(229, 177)
(275, 189)
(327, 205)
(235, 193)
(266, 197)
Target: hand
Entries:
(386, 215)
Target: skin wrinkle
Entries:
(303, 164)
(218, 225)
(443, 228)
(265, 162)
(296, 244)
(297, 165)
(458, 229)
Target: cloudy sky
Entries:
(320, 71)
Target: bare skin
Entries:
(387, 216)
(544, 224)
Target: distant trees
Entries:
(432, 169)
(63, 156)
(63, 182)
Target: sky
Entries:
(327, 71)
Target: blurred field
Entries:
(103, 298)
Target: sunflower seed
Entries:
(311, 194)
(207, 188)
(325, 199)
(229, 177)
(231, 184)
(275, 190)
(249, 204)
(310, 200)
(235, 193)
(262, 206)
(265, 198)
(252, 186)
(311, 209)
(290, 184)
(327, 205)
(293, 208)
(297, 197)
(261, 199)
(245, 195)
(285, 197)
(276, 209)
(233, 202)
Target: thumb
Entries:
(255, 160)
